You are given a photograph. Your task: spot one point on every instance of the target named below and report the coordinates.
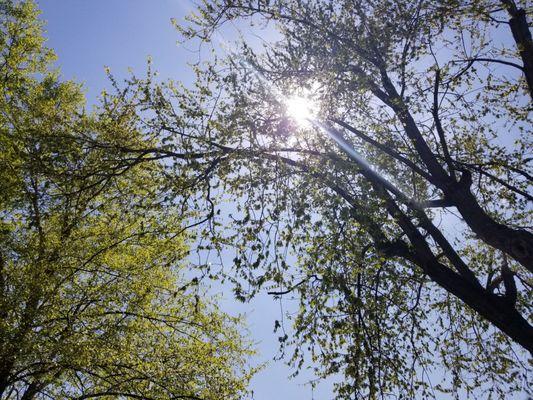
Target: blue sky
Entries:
(87, 36)
(121, 34)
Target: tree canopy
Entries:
(410, 260)
(94, 300)
(398, 216)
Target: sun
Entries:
(301, 109)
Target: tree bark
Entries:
(523, 39)
(517, 243)
(496, 309)
(499, 310)
(32, 389)
(4, 377)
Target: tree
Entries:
(93, 298)
(433, 95)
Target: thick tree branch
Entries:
(500, 311)
(412, 131)
(387, 150)
(522, 36)
(517, 243)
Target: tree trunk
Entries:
(4, 377)
(517, 243)
(523, 39)
(32, 389)
(499, 310)
(496, 309)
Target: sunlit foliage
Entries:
(408, 290)
(94, 300)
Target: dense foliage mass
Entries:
(93, 299)
(413, 272)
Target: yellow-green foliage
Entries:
(93, 301)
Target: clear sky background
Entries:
(87, 36)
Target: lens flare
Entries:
(300, 109)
